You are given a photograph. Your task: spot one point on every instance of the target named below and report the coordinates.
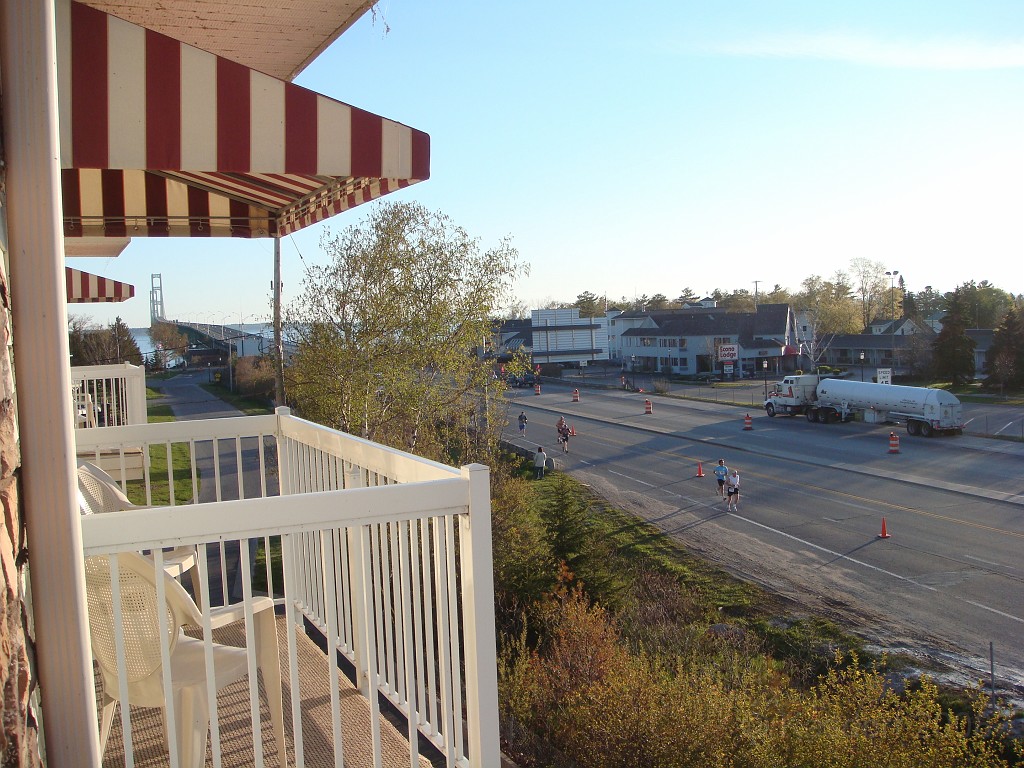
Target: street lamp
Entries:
(892, 300)
(764, 367)
(862, 365)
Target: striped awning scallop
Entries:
(85, 288)
(162, 139)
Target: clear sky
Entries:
(634, 149)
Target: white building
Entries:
(562, 336)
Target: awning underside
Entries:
(162, 139)
(134, 203)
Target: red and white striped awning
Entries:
(84, 288)
(162, 139)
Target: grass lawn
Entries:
(181, 468)
(247, 405)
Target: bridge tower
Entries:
(156, 298)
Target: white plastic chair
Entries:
(99, 493)
(142, 649)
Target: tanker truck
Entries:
(924, 411)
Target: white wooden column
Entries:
(478, 607)
(29, 72)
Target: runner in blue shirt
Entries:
(721, 472)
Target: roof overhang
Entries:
(277, 37)
(160, 138)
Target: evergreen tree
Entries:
(1006, 355)
(953, 348)
(121, 345)
(589, 304)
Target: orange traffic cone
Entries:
(572, 431)
(700, 470)
(884, 534)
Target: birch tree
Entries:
(392, 333)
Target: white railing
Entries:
(108, 395)
(386, 554)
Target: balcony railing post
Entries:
(363, 647)
(135, 377)
(478, 602)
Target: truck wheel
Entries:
(770, 409)
(812, 415)
(913, 427)
(926, 429)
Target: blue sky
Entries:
(632, 149)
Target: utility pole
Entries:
(756, 282)
(278, 341)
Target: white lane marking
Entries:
(993, 610)
(876, 568)
(832, 552)
(986, 562)
(968, 421)
(1010, 424)
(630, 477)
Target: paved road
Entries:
(189, 401)
(946, 583)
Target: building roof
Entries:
(767, 326)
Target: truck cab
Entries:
(792, 395)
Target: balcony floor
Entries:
(235, 725)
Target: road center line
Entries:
(832, 552)
(630, 477)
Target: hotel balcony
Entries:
(378, 564)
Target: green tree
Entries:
(740, 300)
(168, 342)
(1006, 355)
(777, 295)
(953, 349)
(589, 304)
(874, 290)
(387, 328)
(90, 344)
(687, 296)
(122, 343)
(85, 342)
(982, 305)
(658, 301)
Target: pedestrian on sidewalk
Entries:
(540, 461)
(721, 474)
(733, 491)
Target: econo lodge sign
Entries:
(728, 352)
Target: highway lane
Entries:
(948, 580)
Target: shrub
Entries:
(254, 376)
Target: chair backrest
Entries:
(101, 491)
(139, 619)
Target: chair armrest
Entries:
(229, 614)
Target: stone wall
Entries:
(19, 729)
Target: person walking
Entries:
(733, 491)
(522, 423)
(540, 461)
(721, 474)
